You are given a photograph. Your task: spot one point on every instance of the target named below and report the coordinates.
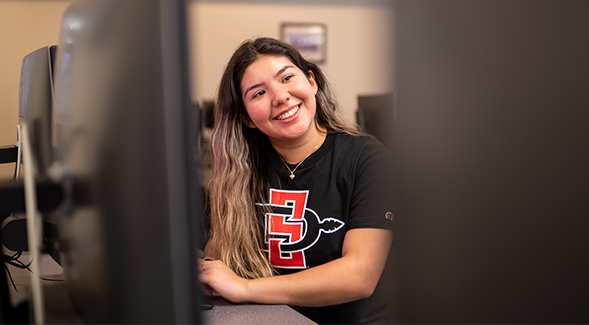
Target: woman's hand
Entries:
(215, 275)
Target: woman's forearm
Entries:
(351, 277)
(332, 283)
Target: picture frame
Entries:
(310, 39)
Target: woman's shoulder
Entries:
(358, 142)
(362, 153)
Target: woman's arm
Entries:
(351, 277)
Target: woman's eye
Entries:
(259, 93)
(287, 78)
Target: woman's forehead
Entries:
(269, 63)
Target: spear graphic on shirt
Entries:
(312, 223)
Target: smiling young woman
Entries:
(297, 198)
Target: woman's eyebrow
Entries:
(282, 70)
(250, 88)
(279, 72)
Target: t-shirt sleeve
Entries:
(372, 197)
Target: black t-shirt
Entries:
(344, 185)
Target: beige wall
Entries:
(358, 40)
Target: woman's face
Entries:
(279, 99)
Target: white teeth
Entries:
(288, 114)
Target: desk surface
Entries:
(59, 309)
(225, 312)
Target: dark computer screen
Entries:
(490, 149)
(124, 144)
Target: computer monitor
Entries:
(125, 150)
(375, 116)
(36, 101)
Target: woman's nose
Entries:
(280, 95)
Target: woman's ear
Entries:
(313, 82)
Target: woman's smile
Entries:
(288, 114)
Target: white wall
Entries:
(358, 40)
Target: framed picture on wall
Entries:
(309, 38)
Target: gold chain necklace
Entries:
(292, 175)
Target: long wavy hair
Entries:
(241, 176)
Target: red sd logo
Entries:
(294, 228)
